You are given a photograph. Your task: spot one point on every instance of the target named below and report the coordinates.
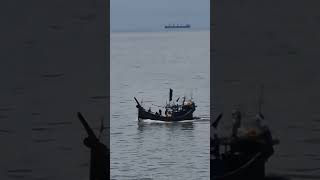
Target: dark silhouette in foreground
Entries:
(100, 154)
(244, 155)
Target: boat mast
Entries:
(170, 95)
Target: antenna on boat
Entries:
(260, 99)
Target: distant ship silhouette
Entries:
(177, 26)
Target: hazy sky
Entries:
(127, 15)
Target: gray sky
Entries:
(145, 15)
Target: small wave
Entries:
(7, 109)
(52, 75)
(3, 116)
(198, 77)
(55, 27)
(5, 131)
(115, 115)
(19, 171)
(99, 97)
(59, 123)
(311, 140)
(83, 18)
(43, 140)
(40, 129)
(64, 148)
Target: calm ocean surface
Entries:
(145, 65)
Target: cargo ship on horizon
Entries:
(177, 26)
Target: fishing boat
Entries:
(177, 26)
(173, 111)
(246, 151)
(244, 156)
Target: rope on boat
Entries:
(240, 168)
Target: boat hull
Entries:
(179, 116)
(248, 163)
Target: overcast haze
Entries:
(152, 15)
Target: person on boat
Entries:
(166, 112)
(160, 112)
(236, 120)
